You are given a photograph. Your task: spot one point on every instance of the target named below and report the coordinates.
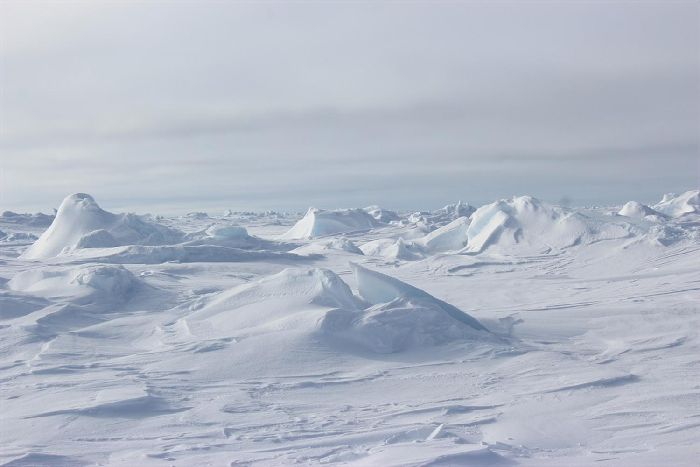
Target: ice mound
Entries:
(457, 210)
(391, 249)
(103, 283)
(324, 246)
(386, 316)
(527, 225)
(81, 223)
(228, 236)
(637, 210)
(452, 236)
(277, 302)
(400, 317)
(319, 223)
(377, 288)
(678, 205)
(35, 220)
(382, 215)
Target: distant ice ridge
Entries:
(83, 232)
(680, 205)
(519, 225)
(320, 223)
(385, 316)
(638, 210)
(81, 223)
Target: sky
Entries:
(175, 106)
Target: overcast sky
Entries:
(178, 106)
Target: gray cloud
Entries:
(289, 104)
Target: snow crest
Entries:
(81, 223)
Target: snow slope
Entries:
(679, 205)
(319, 223)
(81, 223)
(526, 225)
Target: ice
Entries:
(99, 283)
(637, 210)
(378, 288)
(679, 205)
(81, 223)
(526, 225)
(319, 223)
(452, 236)
(522, 333)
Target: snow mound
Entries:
(679, 205)
(315, 305)
(100, 283)
(382, 215)
(334, 244)
(400, 317)
(393, 249)
(377, 288)
(34, 220)
(81, 223)
(452, 236)
(457, 210)
(526, 225)
(278, 302)
(319, 223)
(637, 210)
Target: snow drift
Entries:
(319, 223)
(526, 225)
(638, 210)
(679, 205)
(81, 223)
(97, 283)
(386, 316)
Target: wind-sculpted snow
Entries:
(526, 225)
(320, 223)
(450, 237)
(378, 288)
(97, 283)
(638, 210)
(680, 205)
(388, 316)
(81, 223)
(520, 334)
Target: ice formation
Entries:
(319, 223)
(81, 223)
(679, 205)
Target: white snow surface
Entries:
(81, 223)
(521, 333)
(321, 223)
(679, 205)
(637, 210)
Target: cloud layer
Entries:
(282, 105)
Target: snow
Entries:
(320, 223)
(522, 333)
(679, 205)
(637, 210)
(452, 236)
(526, 225)
(81, 223)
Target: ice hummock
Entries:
(81, 223)
(320, 223)
(385, 316)
(527, 225)
(679, 205)
(637, 210)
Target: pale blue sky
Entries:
(176, 106)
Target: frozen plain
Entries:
(518, 333)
